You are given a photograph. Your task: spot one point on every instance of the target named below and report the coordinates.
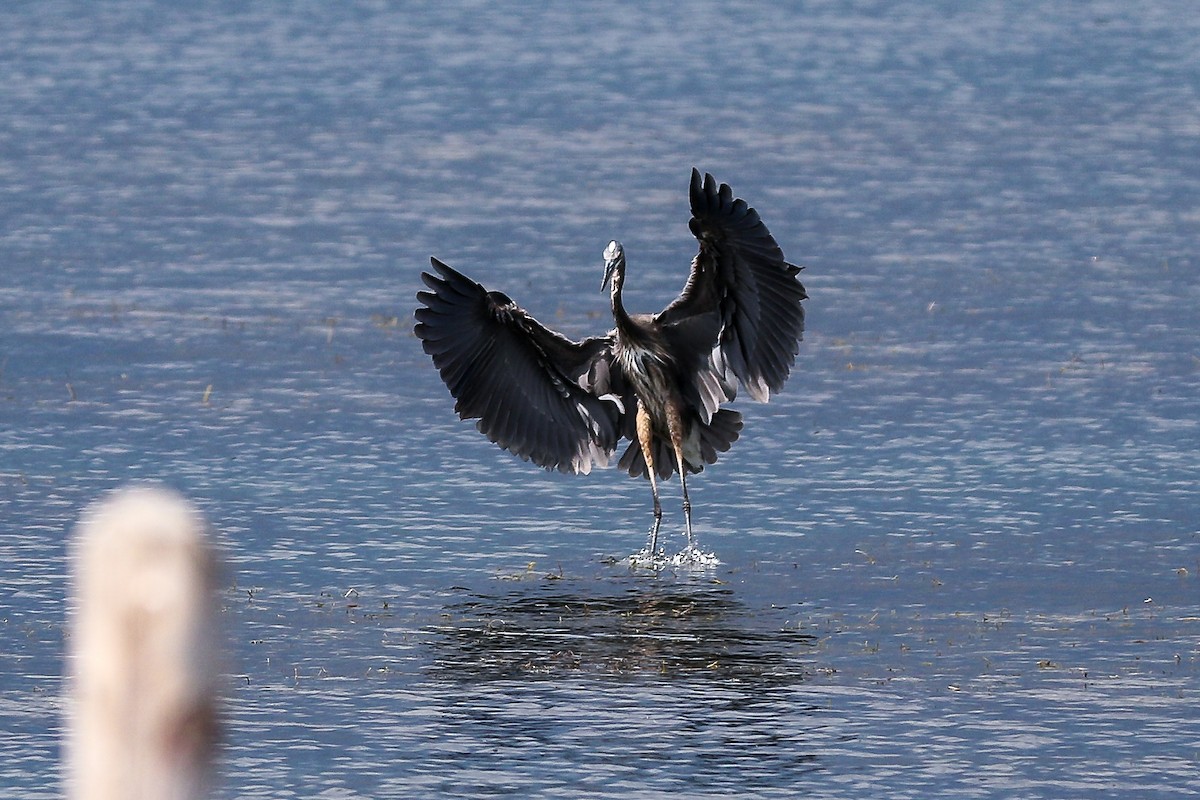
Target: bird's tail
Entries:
(702, 447)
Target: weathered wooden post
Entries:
(143, 660)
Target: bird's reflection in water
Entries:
(622, 627)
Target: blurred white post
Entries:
(143, 663)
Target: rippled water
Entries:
(959, 552)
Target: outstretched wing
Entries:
(740, 274)
(535, 392)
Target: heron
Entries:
(657, 380)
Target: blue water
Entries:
(960, 551)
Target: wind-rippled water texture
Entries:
(959, 551)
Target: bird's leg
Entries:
(675, 427)
(687, 504)
(645, 431)
(653, 545)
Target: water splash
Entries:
(689, 557)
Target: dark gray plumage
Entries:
(658, 380)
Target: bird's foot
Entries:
(692, 556)
(649, 559)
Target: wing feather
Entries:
(740, 273)
(532, 390)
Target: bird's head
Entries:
(614, 264)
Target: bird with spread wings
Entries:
(658, 380)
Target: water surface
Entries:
(959, 551)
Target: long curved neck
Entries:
(633, 334)
(624, 323)
(614, 276)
